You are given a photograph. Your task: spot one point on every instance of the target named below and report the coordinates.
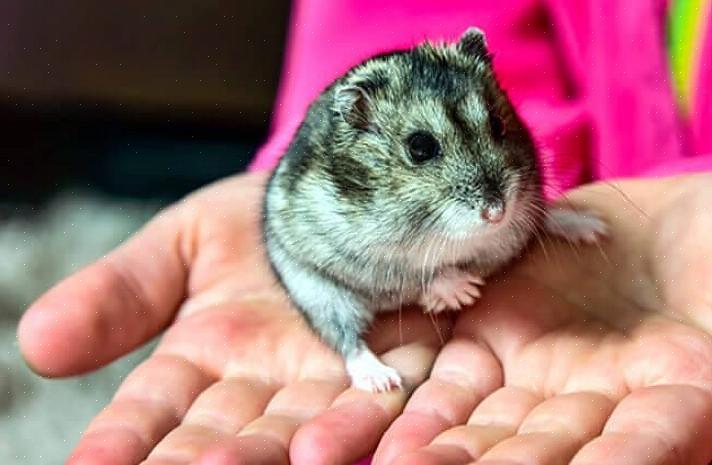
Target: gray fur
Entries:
(351, 223)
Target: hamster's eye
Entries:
(423, 146)
(497, 127)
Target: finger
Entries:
(248, 450)
(228, 405)
(351, 427)
(215, 417)
(150, 402)
(662, 425)
(266, 439)
(668, 352)
(496, 418)
(111, 306)
(456, 445)
(580, 415)
(680, 269)
(554, 430)
(463, 374)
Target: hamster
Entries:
(410, 180)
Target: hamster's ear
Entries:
(472, 43)
(351, 101)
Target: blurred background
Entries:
(109, 111)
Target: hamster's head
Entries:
(425, 142)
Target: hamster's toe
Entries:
(451, 291)
(576, 226)
(368, 373)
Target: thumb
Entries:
(680, 253)
(110, 307)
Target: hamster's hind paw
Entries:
(452, 290)
(575, 226)
(368, 373)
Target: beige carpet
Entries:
(40, 419)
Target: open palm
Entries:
(605, 355)
(582, 356)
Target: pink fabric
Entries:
(589, 77)
(701, 118)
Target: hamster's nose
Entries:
(493, 213)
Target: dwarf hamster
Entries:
(410, 180)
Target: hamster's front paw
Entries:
(575, 226)
(451, 291)
(368, 373)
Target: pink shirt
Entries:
(590, 77)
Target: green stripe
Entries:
(683, 27)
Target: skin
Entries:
(575, 355)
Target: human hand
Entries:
(129, 427)
(237, 372)
(582, 355)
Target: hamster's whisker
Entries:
(431, 257)
(563, 196)
(627, 198)
(442, 241)
(536, 232)
(575, 247)
(603, 253)
(525, 222)
(425, 263)
(400, 322)
(615, 187)
(434, 321)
